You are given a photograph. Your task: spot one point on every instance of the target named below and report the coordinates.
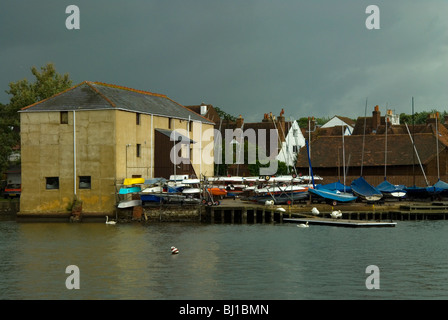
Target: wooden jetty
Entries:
(245, 212)
(341, 222)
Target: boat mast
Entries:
(413, 131)
(239, 150)
(219, 151)
(385, 152)
(437, 147)
(309, 140)
(415, 149)
(309, 161)
(343, 154)
(363, 137)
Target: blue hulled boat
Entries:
(439, 188)
(390, 190)
(333, 195)
(364, 190)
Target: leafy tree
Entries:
(48, 82)
(23, 93)
(7, 138)
(420, 117)
(224, 115)
(282, 168)
(303, 122)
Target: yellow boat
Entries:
(131, 181)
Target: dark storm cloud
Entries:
(249, 57)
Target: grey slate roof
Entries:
(100, 96)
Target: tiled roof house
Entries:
(366, 154)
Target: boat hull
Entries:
(333, 195)
(279, 190)
(129, 203)
(284, 198)
(217, 191)
(191, 191)
(129, 190)
(362, 189)
(131, 181)
(390, 190)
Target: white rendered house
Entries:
(294, 140)
(340, 121)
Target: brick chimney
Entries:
(376, 118)
(281, 126)
(239, 122)
(265, 118)
(432, 118)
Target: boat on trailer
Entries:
(283, 198)
(366, 191)
(390, 190)
(334, 196)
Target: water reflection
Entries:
(134, 261)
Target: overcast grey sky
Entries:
(248, 57)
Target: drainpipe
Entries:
(200, 145)
(74, 153)
(152, 147)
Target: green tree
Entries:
(7, 138)
(420, 117)
(48, 83)
(224, 115)
(24, 93)
(303, 122)
(282, 168)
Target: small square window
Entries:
(64, 117)
(85, 182)
(52, 183)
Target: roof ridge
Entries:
(89, 83)
(148, 93)
(128, 89)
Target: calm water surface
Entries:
(222, 261)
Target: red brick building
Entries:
(377, 154)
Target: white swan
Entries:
(303, 225)
(315, 211)
(110, 222)
(336, 214)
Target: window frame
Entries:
(87, 180)
(49, 182)
(63, 117)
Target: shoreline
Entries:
(240, 211)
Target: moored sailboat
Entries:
(365, 191)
